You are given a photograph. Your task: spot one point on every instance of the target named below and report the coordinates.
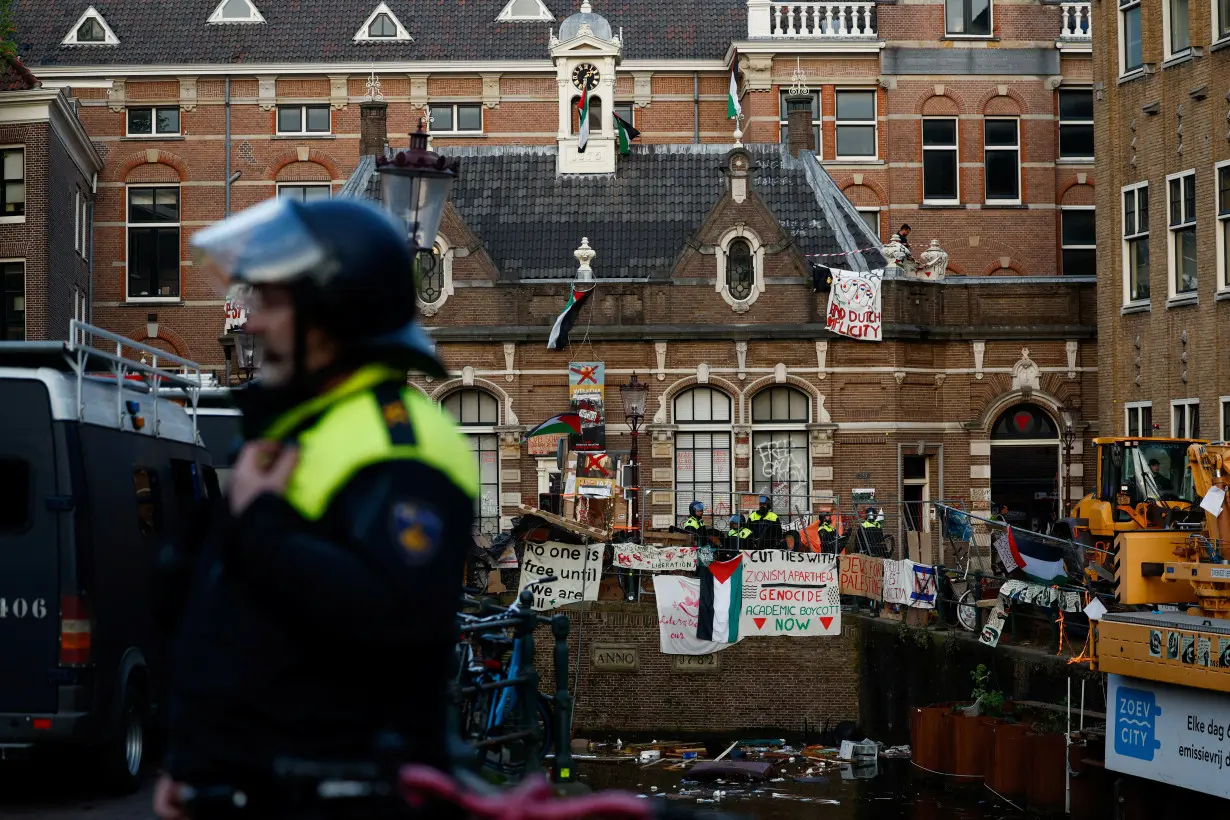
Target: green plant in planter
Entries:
(992, 699)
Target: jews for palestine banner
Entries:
(854, 304)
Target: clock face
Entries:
(585, 76)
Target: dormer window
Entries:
(91, 30)
(381, 26)
(236, 11)
(525, 10)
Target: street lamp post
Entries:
(634, 395)
(1068, 416)
(414, 187)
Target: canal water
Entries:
(897, 792)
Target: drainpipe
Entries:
(695, 107)
(226, 142)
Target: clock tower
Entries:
(586, 54)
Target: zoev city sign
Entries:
(1171, 734)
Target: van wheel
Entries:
(123, 755)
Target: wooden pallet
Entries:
(574, 527)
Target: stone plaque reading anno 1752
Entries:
(698, 663)
(616, 657)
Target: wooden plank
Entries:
(574, 527)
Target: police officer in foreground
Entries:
(314, 610)
(766, 529)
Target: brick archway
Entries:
(290, 157)
(666, 412)
(161, 158)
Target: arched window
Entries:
(1024, 422)
(429, 275)
(781, 459)
(703, 451)
(478, 413)
(740, 271)
(595, 115)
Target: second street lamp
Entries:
(414, 187)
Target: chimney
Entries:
(800, 135)
(373, 128)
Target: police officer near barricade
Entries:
(738, 538)
(871, 532)
(695, 525)
(828, 534)
(766, 529)
(313, 608)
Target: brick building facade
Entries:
(1164, 281)
(969, 121)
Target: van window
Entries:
(185, 482)
(14, 494)
(149, 504)
(211, 483)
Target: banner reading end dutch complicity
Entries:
(854, 305)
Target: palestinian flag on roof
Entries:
(568, 424)
(721, 600)
(1037, 559)
(626, 133)
(733, 108)
(566, 320)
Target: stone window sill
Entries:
(138, 301)
(1178, 59)
(1220, 44)
(943, 206)
(305, 136)
(454, 135)
(152, 138)
(1222, 296)
(1185, 300)
(1006, 206)
(12, 220)
(1135, 307)
(1134, 74)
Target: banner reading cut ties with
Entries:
(654, 559)
(579, 570)
(679, 609)
(854, 304)
(789, 593)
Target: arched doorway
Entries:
(1025, 472)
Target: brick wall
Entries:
(68, 269)
(27, 240)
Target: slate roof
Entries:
(530, 219)
(16, 77)
(322, 31)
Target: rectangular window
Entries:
(1225, 418)
(85, 227)
(1002, 160)
(77, 222)
(1139, 421)
(304, 119)
(150, 122)
(487, 452)
(816, 122)
(1186, 418)
(13, 185)
(967, 18)
(780, 462)
(153, 243)
(305, 193)
(1223, 224)
(626, 112)
(1178, 24)
(914, 492)
(1131, 54)
(457, 118)
(856, 124)
(940, 174)
(1221, 19)
(1076, 124)
(1181, 191)
(13, 312)
(872, 217)
(702, 472)
(1136, 243)
(1079, 241)
(15, 500)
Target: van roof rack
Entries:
(101, 356)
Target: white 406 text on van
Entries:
(21, 608)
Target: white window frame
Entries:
(109, 38)
(326, 185)
(955, 148)
(1224, 406)
(949, 35)
(872, 210)
(445, 254)
(690, 427)
(1125, 7)
(153, 133)
(1189, 222)
(1082, 159)
(303, 107)
(1185, 405)
(254, 15)
(1063, 247)
(85, 227)
(25, 292)
(77, 222)
(479, 431)
(455, 105)
(781, 427)
(817, 123)
(1168, 53)
(1223, 226)
(507, 15)
(874, 122)
(758, 286)
(16, 219)
(925, 504)
(128, 226)
(1218, 23)
(1137, 406)
(1127, 238)
(1020, 182)
(363, 35)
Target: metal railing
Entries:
(811, 20)
(1076, 22)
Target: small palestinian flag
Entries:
(733, 108)
(1039, 560)
(566, 320)
(568, 424)
(721, 600)
(583, 131)
(626, 134)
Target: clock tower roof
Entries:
(598, 25)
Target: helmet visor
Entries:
(266, 244)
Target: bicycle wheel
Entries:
(967, 611)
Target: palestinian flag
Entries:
(733, 108)
(583, 131)
(559, 333)
(1038, 559)
(721, 600)
(626, 134)
(568, 424)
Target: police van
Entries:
(96, 465)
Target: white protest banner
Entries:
(1003, 548)
(862, 575)
(790, 593)
(854, 305)
(654, 559)
(678, 616)
(994, 626)
(579, 570)
(896, 587)
(920, 584)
